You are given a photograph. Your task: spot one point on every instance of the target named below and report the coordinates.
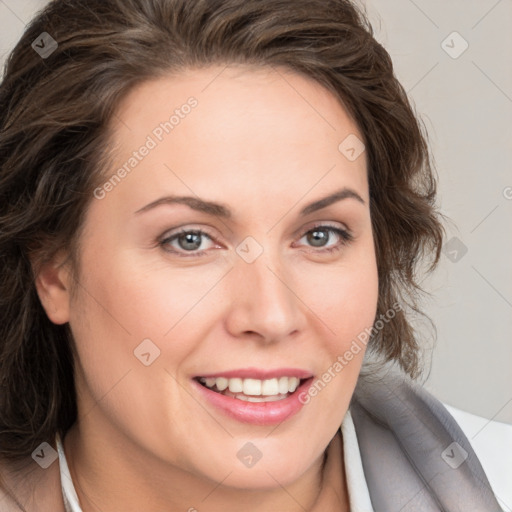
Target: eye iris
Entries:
(317, 236)
(190, 238)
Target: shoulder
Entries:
(26, 487)
(490, 440)
(405, 433)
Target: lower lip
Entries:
(256, 413)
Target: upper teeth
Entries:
(254, 386)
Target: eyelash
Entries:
(345, 239)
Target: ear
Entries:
(53, 280)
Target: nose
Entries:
(264, 302)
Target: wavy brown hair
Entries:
(55, 114)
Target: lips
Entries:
(266, 411)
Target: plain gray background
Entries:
(453, 58)
(466, 103)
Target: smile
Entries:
(256, 401)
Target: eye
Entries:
(187, 240)
(191, 240)
(320, 235)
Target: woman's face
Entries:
(259, 293)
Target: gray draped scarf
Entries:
(415, 456)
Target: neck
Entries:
(112, 474)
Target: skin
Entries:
(264, 142)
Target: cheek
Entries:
(345, 296)
(345, 301)
(124, 301)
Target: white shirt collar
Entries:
(71, 503)
(358, 493)
(359, 496)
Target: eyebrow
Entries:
(222, 211)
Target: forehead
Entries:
(246, 128)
